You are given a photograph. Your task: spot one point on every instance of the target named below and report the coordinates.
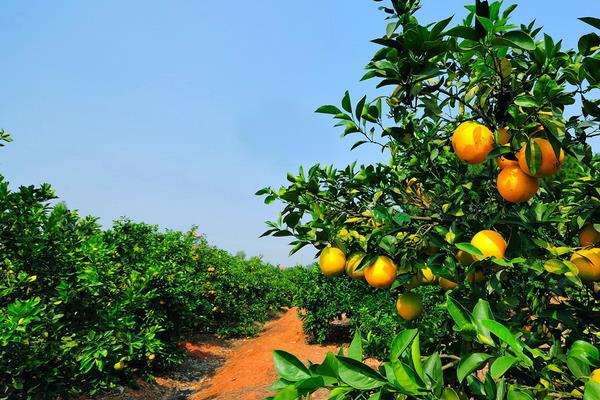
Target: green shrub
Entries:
(80, 308)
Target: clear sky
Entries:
(176, 112)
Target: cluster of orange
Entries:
(473, 142)
(383, 271)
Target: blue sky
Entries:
(176, 112)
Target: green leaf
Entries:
(592, 391)
(289, 367)
(595, 22)
(401, 218)
(555, 266)
(403, 377)
(470, 364)
(578, 368)
(504, 334)
(432, 368)
(469, 248)
(340, 393)
(416, 357)
(519, 39)
(388, 244)
(464, 32)
(359, 375)
(359, 107)
(310, 384)
(355, 350)
(527, 101)
(501, 365)
(401, 342)
(518, 395)
(482, 311)
(460, 315)
(328, 109)
(533, 156)
(346, 105)
(289, 393)
(449, 394)
(328, 369)
(584, 351)
(440, 26)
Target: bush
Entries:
(372, 313)
(80, 308)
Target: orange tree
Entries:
(477, 119)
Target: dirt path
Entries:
(248, 372)
(226, 370)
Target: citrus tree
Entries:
(491, 191)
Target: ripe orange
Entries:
(502, 136)
(595, 376)
(464, 258)
(516, 186)
(353, 262)
(588, 236)
(447, 284)
(504, 161)
(477, 278)
(382, 273)
(409, 306)
(472, 142)
(490, 243)
(588, 265)
(151, 357)
(332, 261)
(549, 165)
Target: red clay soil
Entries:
(229, 370)
(248, 371)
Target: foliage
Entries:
(408, 374)
(82, 308)
(370, 312)
(436, 76)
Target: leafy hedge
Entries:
(81, 308)
(371, 312)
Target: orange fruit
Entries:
(549, 165)
(516, 186)
(502, 136)
(409, 306)
(353, 262)
(332, 261)
(595, 376)
(472, 142)
(447, 284)
(490, 243)
(588, 236)
(588, 265)
(478, 277)
(503, 161)
(464, 258)
(382, 273)
(151, 357)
